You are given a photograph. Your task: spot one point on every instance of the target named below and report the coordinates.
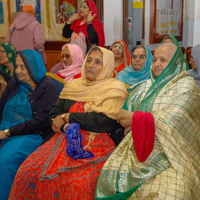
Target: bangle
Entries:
(63, 117)
(90, 22)
(66, 125)
(7, 133)
(68, 22)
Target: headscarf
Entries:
(127, 57)
(77, 60)
(98, 26)
(34, 65)
(196, 55)
(104, 95)
(131, 77)
(175, 41)
(11, 54)
(28, 9)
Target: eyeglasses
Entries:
(118, 47)
(141, 57)
(67, 56)
(1, 51)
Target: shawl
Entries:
(126, 54)
(175, 41)
(196, 55)
(77, 59)
(34, 65)
(104, 95)
(97, 24)
(11, 53)
(28, 9)
(172, 98)
(131, 77)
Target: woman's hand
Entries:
(124, 117)
(58, 122)
(90, 17)
(126, 130)
(73, 18)
(2, 135)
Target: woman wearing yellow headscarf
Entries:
(68, 165)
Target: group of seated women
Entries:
(61, 147)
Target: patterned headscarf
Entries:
(98, 26)
(175, 41)
(28, 9)
(196, 56)
(11, 54)
(131, 77)
(34, 65)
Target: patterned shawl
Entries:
(131, 77)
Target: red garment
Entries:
(127, 56)
(97, 24)
(75, 77)
(48, 173)
(143, 133)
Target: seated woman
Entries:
(7, 60)
(159, 158)
(84, 28)
(70, 67)
(122, 55)
(172, 39)
(92, 102)
(195, 63)
(139, 70)
(24, 109)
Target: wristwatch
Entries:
(63, 117)
(7, 133)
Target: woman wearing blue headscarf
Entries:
(24, 108)
(139, 70)
(195, 63)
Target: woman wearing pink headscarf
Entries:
(70, 67)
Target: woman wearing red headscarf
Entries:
(122, 56)
(84, 28)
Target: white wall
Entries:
(113, 20)
(196, 32)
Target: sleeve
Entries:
(9, 35)
(92, 34)
(94, 122)
(66, 31)
(46, 97)
(38, 38)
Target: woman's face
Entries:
(192, 63)
(168, 40)
(3, 56)
(84, 10)
(138, 58)
(66, 57)
(94, 65)
(117, 49)
(21, 70)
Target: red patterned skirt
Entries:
(48, 173)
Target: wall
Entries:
(196, 38)
(113, 20)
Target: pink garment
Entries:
(77, 59)
(27, 33)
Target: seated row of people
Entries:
(87, 110)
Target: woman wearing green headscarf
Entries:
(172, 39)
(7, 59)
(159, 158)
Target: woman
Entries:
(122, 56)
(139, 70)
(159, 158)
(24, 108)
(70, 67)
(84, 28)
(172, 39)
(195, 63)
(26, 32)
(7, 59)
(92, 102)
